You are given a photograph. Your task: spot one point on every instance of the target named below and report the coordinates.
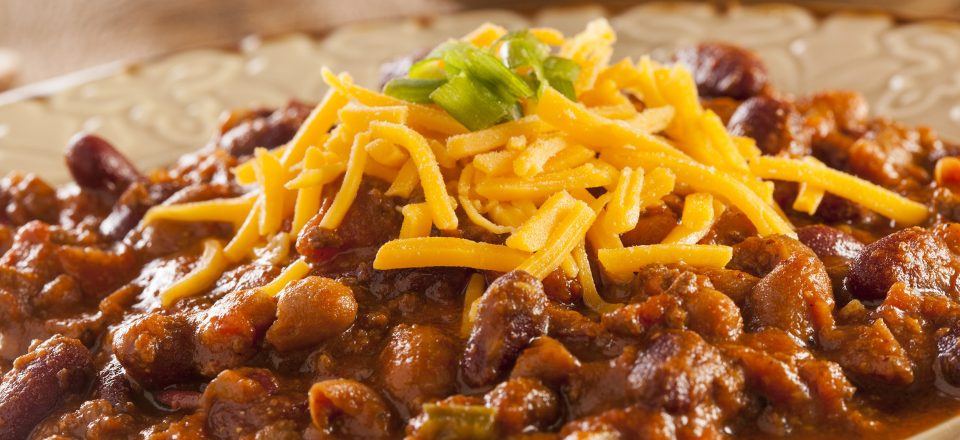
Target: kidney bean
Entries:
(721, 69)
(97, 165)
(511, 313)
(156, 350)
(39, 381)
(773, 123)
(915, 256)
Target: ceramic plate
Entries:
(160, 109)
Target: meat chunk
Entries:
(721, 69)
(418, 364)
(371, 221)
(311, 311)
(263, 129)
(680, 372)
(794, 293)
(39, 381)
(917, 257)
(26, 197)
(510, 314)
(344, 408)
(633, 422)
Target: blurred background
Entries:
(41, 39)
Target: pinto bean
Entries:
(311, 311)
(523, 405)
(156, 350)
(39, 381)
(97, 165)
(511, 313)
(346, 408)
(917, 257)
(721, 69)
(418, 364)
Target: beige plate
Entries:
(164, 108)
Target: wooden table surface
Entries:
(56, 37)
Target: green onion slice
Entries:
(471, 102)
(413, 90)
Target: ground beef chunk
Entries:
(250, 403)
(25, 197)
(794, 292)
(372, 220)
(523, 405)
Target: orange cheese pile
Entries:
(636, 134)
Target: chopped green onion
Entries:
(413, 90)
(431, 68)
(458, 422)
(521, 48)
(471, 102)
(561, 73)
(482, 87)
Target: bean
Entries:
(97, 165)
(39, 381)
(511, 313)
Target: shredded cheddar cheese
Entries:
(695, 221)
(871, 196)
(631, 259)
(447, 252)
(206, 271)
(561, 171)
(471, 295)
(416, 221)
(295, 271)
